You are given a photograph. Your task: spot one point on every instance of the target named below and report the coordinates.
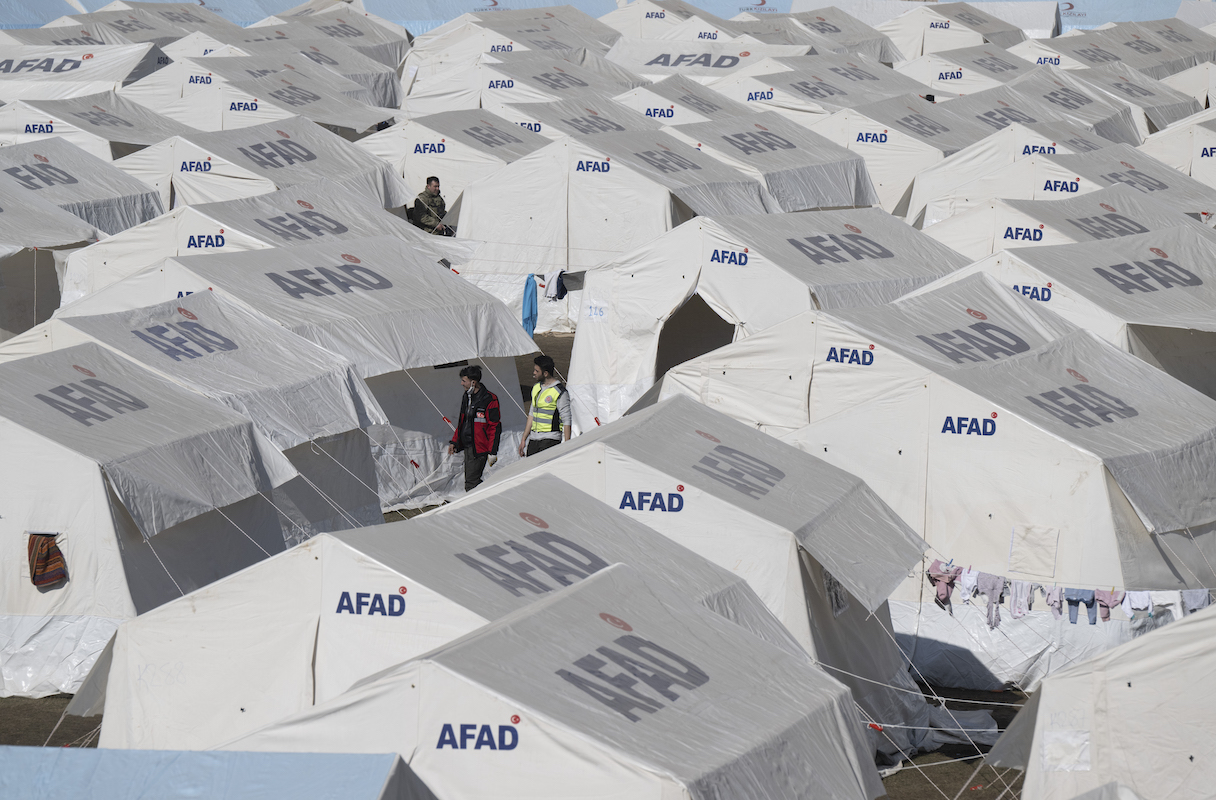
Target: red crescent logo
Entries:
(186, 314)
(977, 314)
(1078, 376)
(532, 519)
(351, 259)
(616, 622)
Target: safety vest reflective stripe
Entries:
(544, 407)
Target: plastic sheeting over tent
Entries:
(227, 165)
(40, 773)
(741, 499)
(850, 33)
(1108, 213)
(948, 26)
(1049, 176)
(1198, 82)
(1158, 49)
(1013, 142)
(1125, 438)
(297, 215)
(404, 321)
(699, 61)
(51, 73)
(728, 714)
(79, 183)
(320, 644)
(680, 101)
(1188, 146)
(307, 401)
(106, 125)
(1148, 686)
(798, 169)
(585, 114)
(637, 318)
(349, 27)
(581, 200)
(967, 70)
(128, 490)
(1156, 104)
(1149, 294)
(457, 146)
(124, 26)
(899, 138)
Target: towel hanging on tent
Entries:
(47, 566)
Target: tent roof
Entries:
(59, 172)
(835, 82)
(26, 220)
(746, 719)
(39, 773)
(1162, 104)
(549, 516)
(187, 15)
(292, 389)
(1154, 435)
(849, 257)
(833, 514)
(704, 61)
(801, 169)
(317, 96)
(504, 140)
(135, 26)
(1122, 164)
(105, 67)
(1083, 210)
(705, 100)
(985, 60)
(586, 114)
(847, 30)
(425, 315)
(112, 118)
(994, 30)
(169, 454)
(63, 36)
(935, 125)
(537, 71)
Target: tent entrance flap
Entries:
(1180, 352)
(693, 330)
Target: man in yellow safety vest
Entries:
(549, 416)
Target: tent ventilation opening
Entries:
(692, 331)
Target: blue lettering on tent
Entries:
(535, 127)
(205, 240)
(1042, 293)
(954, 75)
(1207, 152)
(652, 501)
(83, 401)
(660, 112)
(243, 106)
(978, 426)
(1024, 234)
(199, 79)
(652, 667)
(1061, 186)
(480, 736)
(1048, 60)
(850, 355)
(592, 166)
(1031, 149)
(941, 25)
(656, 15)
(44, 128)
(760, 95)
(502, 48)
(423, 148)
(872, 137)
(375, 603)
(728, 257)
(501, 84)
(195, 166)
(707, 35)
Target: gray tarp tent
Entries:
(734, 715)
(582, 115)
(1156, 104)
(851, 33)
(678, 100)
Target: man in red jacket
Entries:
(479, 428)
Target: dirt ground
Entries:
(29, 722)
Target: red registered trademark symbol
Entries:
(616, 622)
(709, 436)
(977, 314)
(515, 719)
(185, 313)
(533, 519)
(401, 589)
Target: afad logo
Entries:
(978, 426)
(386, 605)
(653, 501)
(851, 355)
(477, 737)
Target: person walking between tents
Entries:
(479, 429)
(430, 209)
(549, 415)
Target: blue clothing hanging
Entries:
(529, 317)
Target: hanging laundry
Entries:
(551, 281)
(47, 566)
(1084, 597)
(561, 286)
(1167, 601)
(943, 578)
(1021, 598)
(529, 312)
(992, 587)
(1195, 599)
(966, 584)
(1137, 601)
(1055, 600)
(1106, 601)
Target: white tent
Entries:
(405, 322)
(1182, 45)
(806, 89)
(1156, 104)
(80, 183)
(716, 279)
(189, 16)
(220, 93)
(133, 26)
(679, 101)
(106, 125)
(349, 27)
(1188, 146)
(721, 714)
(43, 773)
(1013, 142)
(851, 33)
(814, 543)
(655, 19)
(584, 199)
(1108, 213)
(1049, 94)
(899, 138)
(948, 26)
(227, 165)
(1071, 736)
(458, 147)
(1157, 49)
(1149, 294)
(1198, 82)
(93, 35)
(296, 215)
(1017, 445)
(491, 84)
(50, 73)
(799, 169)
(700, 61)
(967, 70)
(1047, 176)
(34, 234)
(457, 578)
(305, 400)
(589, 113)
(150, 490)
